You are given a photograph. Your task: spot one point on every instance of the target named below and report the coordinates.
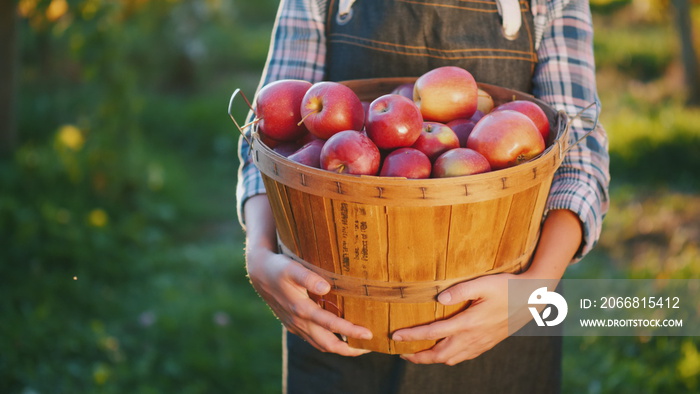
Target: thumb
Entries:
(308, 279)
(465, 291)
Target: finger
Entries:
(461, 292)
(306, 312)
(431, 357)
(430, 332)
(308, 279)
(435, 355)
(325, 341)
(450, 351)
(335, 324)
(425, 357)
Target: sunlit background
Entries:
(121, 263)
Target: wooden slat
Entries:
(282, 213)
(304, 226)
(538, 210)
(515, 235)
(417, 238)
(360, 232)
(475, 230)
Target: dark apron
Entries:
(382, 38)
(408, 38)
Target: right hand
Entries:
(285, 285)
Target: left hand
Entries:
(471, 332)
(485, 322)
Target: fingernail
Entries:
(322, 287)
(397, 338)
(367, 336)
(445, 297)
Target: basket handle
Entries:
(241, 129)
(595, 104)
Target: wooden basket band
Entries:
(404, 292)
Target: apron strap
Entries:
(344, 11)
(511, 18)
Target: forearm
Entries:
(260, 225)
(559, 242)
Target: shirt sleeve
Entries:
(565, 79)
(297, 51)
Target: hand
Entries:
(485, 322)
(285, 285)
(473, 331)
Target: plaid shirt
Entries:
(564, 78)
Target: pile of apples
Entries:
(442, 125)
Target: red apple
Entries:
(331, 107)
(269, 142)
(350, 152)
(365, 107)
(506, 138)
(459, 162)
(462, 127)
(308, 137)
(446, 93)
(286, 148)
(309, 154)
(532, 111)
(484, 102)
(277, 109)
(394, 121)
(405, 89)
(434, 139)
(406, 162)
(477, 115)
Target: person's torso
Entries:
(406, 38)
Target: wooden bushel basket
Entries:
(389, 246)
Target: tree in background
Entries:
(8, 76)
(688, 54)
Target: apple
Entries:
(350, 152)
(459, 162)
(331, 107)
(532, 111)
(484, 102)
(434, 139)
(365, 107)
(406, 162)
(506, 138)
(405, 89)
(477, 115)
(393, 121)
(277, 109)
(462, 127)
(446, 93)
(269, 142)
(286, 148)
(309, 154)
(305, 139)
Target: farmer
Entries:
(543, 47)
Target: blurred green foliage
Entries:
(121, 258)
(121, 255)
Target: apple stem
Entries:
(307, 115)
(341, 169)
